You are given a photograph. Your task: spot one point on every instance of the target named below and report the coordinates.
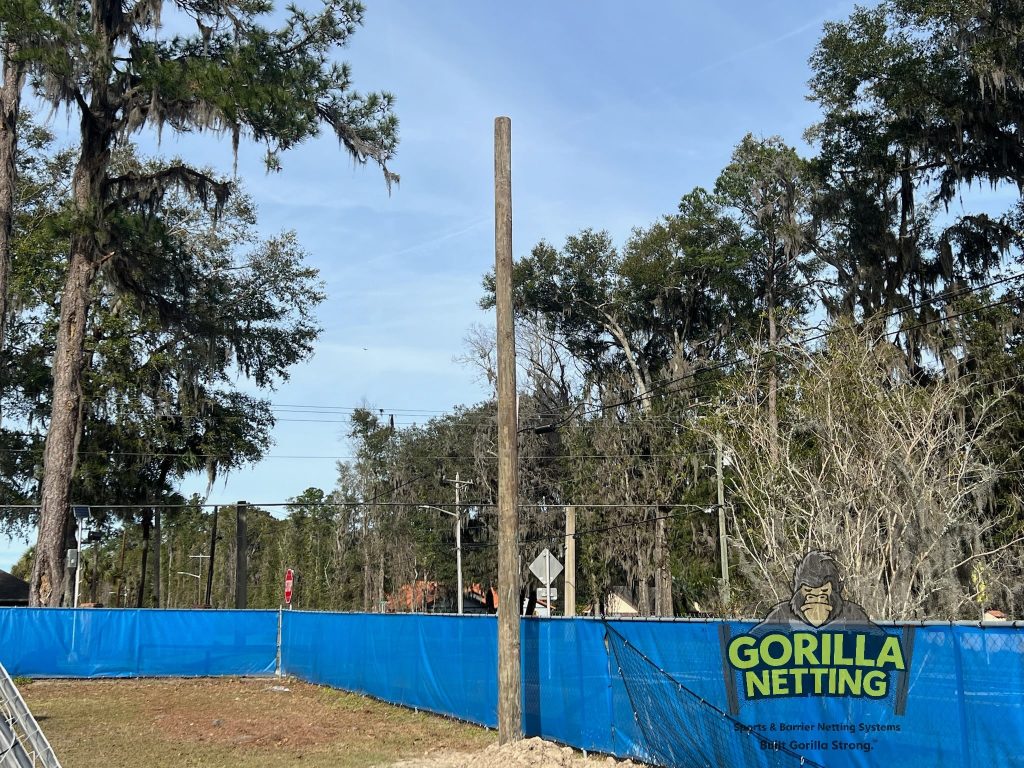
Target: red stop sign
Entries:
(289, 578)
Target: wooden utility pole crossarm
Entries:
(509, 680)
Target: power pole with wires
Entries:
(510, 713)
(458, 532)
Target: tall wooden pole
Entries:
(509, 681)
(570, 561)
(458, 540)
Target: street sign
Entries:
(289, 580)
(81, 513)
(546, 567)
(542, 593)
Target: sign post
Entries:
(546, 568)
(289, 581)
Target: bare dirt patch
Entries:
(529, 753)
(242, 723)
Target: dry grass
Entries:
(242, 723)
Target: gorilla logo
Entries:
(817, 598)
(817, 603)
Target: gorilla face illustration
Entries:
(817, 590)
(817, 603)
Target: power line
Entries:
(576, 412)
(371, 409)
(408, 412)
(683, 454)
(366, 502)
(432, 457)
(708, 508)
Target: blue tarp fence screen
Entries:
(654, 690)
(96, 642)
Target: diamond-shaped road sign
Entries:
(546, 566)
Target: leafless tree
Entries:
(882, 471)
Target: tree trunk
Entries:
(59, 455)
(659, 543)
(67, 589)
(643, 594)
(157, 565)
(10, 103)
(210, 568)
(379, 608)
(367, 579)
(147, 519)
(95, 583)
(773, 379)
(662, 569)
(120, 567)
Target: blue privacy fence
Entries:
(95, 642)
(657, 690)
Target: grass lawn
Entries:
(242, 723)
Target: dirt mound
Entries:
(528, 753)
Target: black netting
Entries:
(682, 730)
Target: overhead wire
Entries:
(299, 408)
(577, 413)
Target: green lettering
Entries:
(760, 681)
(891, 653)
(805, 645)
(742, 653)
(798, 679)
(780, 682)
(863, 660)
(837, 658)
(875, 684)
(785, 652)
(818, 672)
(849, 681)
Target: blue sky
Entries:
(617, 110)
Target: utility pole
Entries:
(722, 543)
(78, 568)
(241, 562)
(570, 561)
(213, 550)
(458, 531)
(510, 714)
